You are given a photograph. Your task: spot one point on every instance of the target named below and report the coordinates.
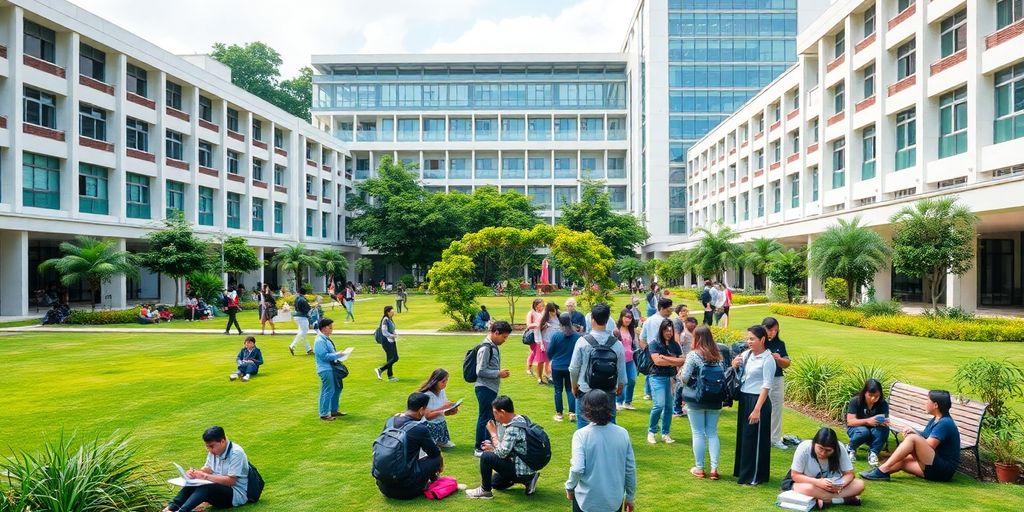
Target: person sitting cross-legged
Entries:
(227, 468)
(822, 469)
(249, 360)
(500, 465)
(933, 454)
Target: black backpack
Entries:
(254, 486)
(603, 373)
(642, 359)
(469, 363)
(538, 446)
(734, 381)
(707, 385)
(390, 462)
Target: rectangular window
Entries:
(839, 97)
(278, 217)
(459, 129)
(677, 197)
(840, 44)
(257, 169)
(745, 205)
(564, 196)
(776, 151)
(40, 108)
(257, 130)
(902, 5)
(776, 197)
(906, 139)
(794, 191)
(205, 154)
(458, 168)
(954, 33)
(324, 221)
(175, 145)
(173, 95)
(616, 167)
(539, 128)
(814, 131)
(677, 223)
(565, 128)
(589, 170)
(206, 109)
(760, 201)
(205, 206)
(136, 196)
(137, 134)
(953, 123)
(1008, 12)
(512, 168)
(487, 168)
(233, 123)
(433, 168)
(92, 189)
(234, 210)
(905, 61)
(136, 80)
(408, 130)
(40, 42)
(40, 181)
(309, 223)
(869, 81)
(175, 199)
(309, 185)
(279, 138)
(92, 62)
(794, 145)
(1009, 122)
(513, 128)
(433, 129)
(867, 170)
(485, 128)
(540, 197)
(869, 21)
(565, 168)
(92, 122)
(279, 175)
(814, 185)
(839, 163)
(537, 168)
(257, 215)
(232, 162)
(592, 128)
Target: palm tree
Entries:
(757, 257)
(715, 251)
(295, 258)
(364, 265)
(332, 263)
(850, 251)
(93, 261)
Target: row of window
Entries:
(723, 75)
(486, 129)
(731, 24)
(512, 168)
(541, 196)
(732, 5)
(732, 50)
(603, 95)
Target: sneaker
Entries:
(572, 416)
(529, 372)
(326, 418)
(480, 494)
(392, 379)
(629, 407)
(780, 445)
(338, 414)
(647, 397)
(875, 474)
(233, 376)
(852, 454)
(713, 475)
(245, 378)
(873, 460)
(478, 453)
(377, 372)
(666, 439)
(292, 350)
(531, 487)
(619, 407)
(651, 439)
(852, 500)
(558, 417)
(461, 487)
(447, 446)
(309, 351)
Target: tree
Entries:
(715, 251)
(451, 282)
(620, 232)
(206, 285)
(295, 258)
(175, 252)
(757, 256)
(486, 207)
(256, 67)
(849, 251)
(788, 269)
(333, 263)
(934, 238)
(363, 265)
(91, 261)
(629, 268)
(583, 255)
(675, 267)
(239, 257)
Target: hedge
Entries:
(978, 329)
(113, 316)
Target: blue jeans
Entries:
(560, 378)
(348, 310)
(647, 385)
(330, 392)
(704, 427)
(248, 368)
(582, 421)
(484, 398)
(874, 437)
(661, 393)
(627, 392)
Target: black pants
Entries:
(709, 317)
(427, 470)
(576, 506)
(232, 320)
(484, 398)
(190, 497)
(391, 352)
(753, 442)
(498, 473)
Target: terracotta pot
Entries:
(1007, 473)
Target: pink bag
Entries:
(441, 488)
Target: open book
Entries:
(184, 480)
(455, 405)
(344, 354)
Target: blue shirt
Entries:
(233, 462)
(579, 365)
(949, 439)
(325, 352)
(602, 469)
(560, 349)
(579, 319)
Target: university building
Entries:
(890, 102)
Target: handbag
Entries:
(378, 336)
(340, 370)
(441, 488)
(528, 337)
(734, 381)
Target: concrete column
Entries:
(962, 291)
(167, 290)
(815, 289)
(14, 273)
(883, 284)
(116, 288)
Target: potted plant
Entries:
(1008, 450)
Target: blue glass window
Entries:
(486, 129)
(565, 128)
(460, 129)
(513, 128)
(538, 168)
(408, 129)
(512, 168)
(486, 168)
(458, 168)
(540, 128)
(565, 167)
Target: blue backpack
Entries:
(707, 386)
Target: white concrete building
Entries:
(890, 102)
(103, 133)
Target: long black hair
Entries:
(665, 324)
(870, 386)
(632, 325)
(827, 438)
(439, 375)
(565, 320)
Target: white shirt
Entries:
(436, 402)
(806, 462)
(651, 327)
(758, 372)
(717, 297)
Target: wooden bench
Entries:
(907, 410)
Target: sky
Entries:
(301, 28)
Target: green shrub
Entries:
(839, 392)
(885, 307)
(727, 336)
(957, 313)
(206, 285)
(837, 315)
(808, 380)
(93, 476)
(835, 291)
(113, 316)
(408, 280)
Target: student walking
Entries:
(387, 336)
(560, 351)
(268, 310)
(301, 316)
(232, 308)
(534, 323)
(401, 299)
(350, 299)
(437, 408)
(777, 348)
(704, 358)
(488, 378)
(753, 436)
(331, 370)
(248, 361)
(667, 357)
(626, 330)
(602, 468)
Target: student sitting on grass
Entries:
(227, 467)
(933, 454)
(822, 469)
(144, 317)
(249, 360)
(418, 471)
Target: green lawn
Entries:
(165, 389)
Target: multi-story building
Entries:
(103, 133)
(534, 124)
(891, 102)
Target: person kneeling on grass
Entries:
(399, 470)
(822, 469)
(501, 466)
(933, 454)
(249, 360)
(227, 467)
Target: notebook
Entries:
(184, 480)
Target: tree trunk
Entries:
(298, 280)
(935, 288)
(177, 287)
(849, 291)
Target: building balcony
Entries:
(209, 171)
(864, 103)
(140, 155)
(903, 84)
(177, 164)
(948, 62)
(92, 83)
(44, 66)
(237, 136)
(1004, 34)
(140, 100)
(864, 43)
(209, 126)
(259, 143)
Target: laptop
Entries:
(185, 481)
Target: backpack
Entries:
(643, 361)
(469, 363)
(538, 446)
(603, 372)
(224, 300)
(733, 381)
(707, 385)
(528, 337)
(390, 462)
(254, 486)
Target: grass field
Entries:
(165, 389)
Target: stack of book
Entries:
(791, 500)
